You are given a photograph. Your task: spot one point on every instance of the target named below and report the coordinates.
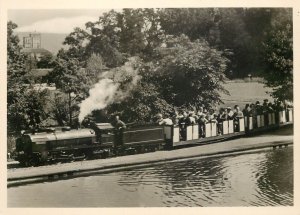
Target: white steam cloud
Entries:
(113, 86)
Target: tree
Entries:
(46, 62)
(116, 36)
(104, 39)
(95, 67)
(59, 108)
(144, 102)
(135, 99)
(184, 74)
(239, 32)
(76, 42)
(140, 31)
(189, 74)
(25, 104)
(223, 28)
(193, 22)
(279, 61)
(70, 78)
(16, 61)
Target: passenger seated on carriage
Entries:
(237, 113)
(265, 111)
(190, 120)
(253, 114)
(226, 113)
(200, 112)
(247, 110)
(288, 107)
(221, 118)
(163, 121)
(182, 125)
(279, 106)
(252, 111)
(229, 113)
(288, 104)
(175, 117)
(212, 116)
(265, 104)
(270, 108)
(201, 122)
(259, 108)
(195, 115)
(236, 116)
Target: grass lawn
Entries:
(242, 93)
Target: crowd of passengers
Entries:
(184, 118)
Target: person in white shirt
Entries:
(163, 121)
(230, 113)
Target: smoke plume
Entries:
(113, 86)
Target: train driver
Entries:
(118, 124)
(119, 127)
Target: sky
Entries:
(52, 21)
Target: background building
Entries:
(34, 40)
(32, 45)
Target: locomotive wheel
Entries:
(28, 163)
(130, 151)
(141, 150)
(32, 161)
(138, 150)
(106, 154)
(23, 163)
(71, 158)
(152, 148)
(88, 154)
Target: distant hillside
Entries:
(51, 42)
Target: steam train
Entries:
(101, 140)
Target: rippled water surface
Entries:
(258, 179)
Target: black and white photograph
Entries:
(143, 107)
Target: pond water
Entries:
(263, 178)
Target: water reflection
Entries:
(259, 179)
(277, 182)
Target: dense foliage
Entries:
(278, 49)
(189, 74)
(182, 57)
(25, 105)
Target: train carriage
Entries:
(192, 135)
(143, 139)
